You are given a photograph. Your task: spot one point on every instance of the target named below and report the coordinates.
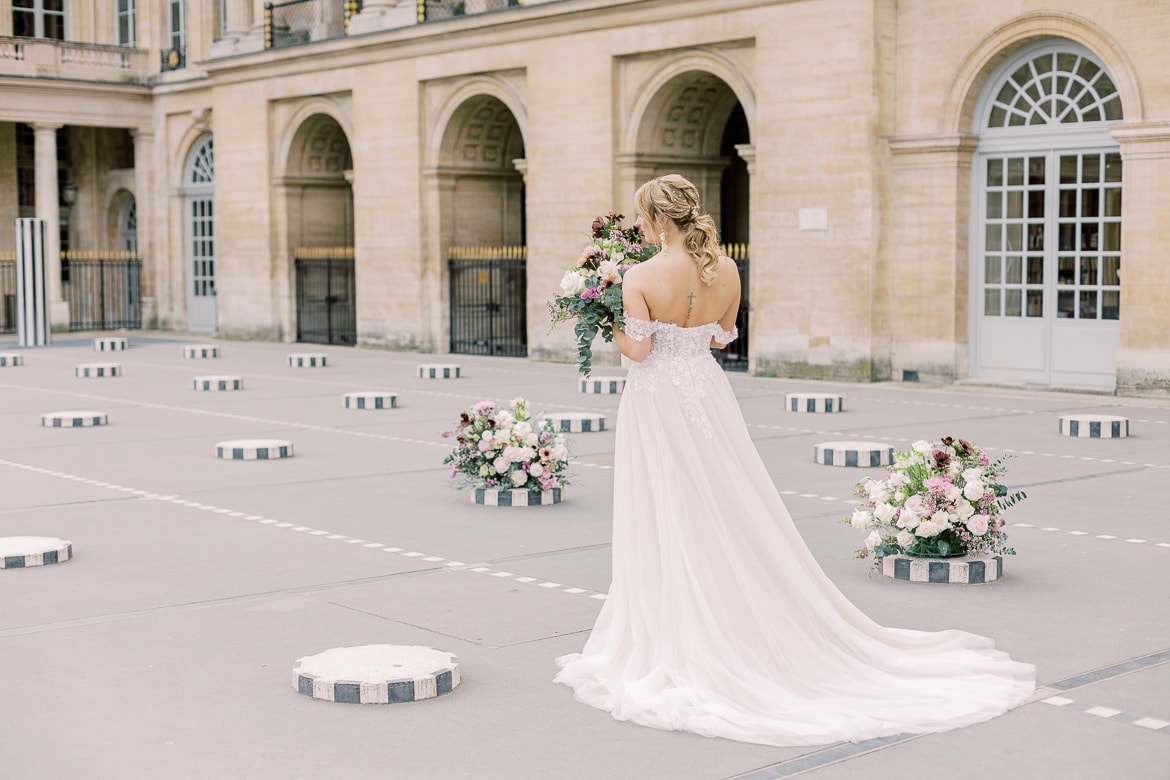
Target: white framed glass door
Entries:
(199, 207)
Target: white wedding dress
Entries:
(719, 620)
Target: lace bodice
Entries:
(680, 356)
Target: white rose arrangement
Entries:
(501, 447)
(937, 501)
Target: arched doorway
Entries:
(128, 225)
(199, 213)
(483, 229)
(318, 194)
(1046, 208)
(695, 125)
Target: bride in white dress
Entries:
(719, 620)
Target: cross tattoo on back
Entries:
(690, 307)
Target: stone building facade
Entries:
(929, 189)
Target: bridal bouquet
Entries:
(501, 447)
(591, 291)
(938, 501)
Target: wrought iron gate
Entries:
(326, 309)
(103, 289)
(489, 294)
(735, 356)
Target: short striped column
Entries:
(577, 422)
(605, 385)
(32, 285)
(22, 552)
(73, 419)
(1094, 426)
(438, 371)
(96, 370)
(111, 344)
(307, 360)
(377, 674)
(969, 570)
(254, 449)
(861, 454)
(370, 399)
(515, 497)
(9, 359)
(200, 351)
(214, 384)
(813, 402)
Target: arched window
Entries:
(199, 189)
(128, 225)
(1047, 204)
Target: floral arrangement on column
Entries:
(502, 447)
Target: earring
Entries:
(662, 237)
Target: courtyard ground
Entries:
(164, 649)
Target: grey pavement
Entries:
(164, 649)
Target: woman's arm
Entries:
(635, 305)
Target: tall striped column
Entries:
(32, 299)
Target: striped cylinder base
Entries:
(111, 344)
(1094, 426)
(371, 399)
(307, 360)
(969, 570)
(813, 402)
(254, 449)
(73, 419)
(503, 497)
(21, 552)
(862, 454)
(377, 674)
(605, 385)
(11, 359)
(217, 383)
(576, 422)
(200, 351)
(438, 371)
(94, 370)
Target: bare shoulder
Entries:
(728, 271)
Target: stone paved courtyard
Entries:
(164, 648)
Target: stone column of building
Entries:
(384, 15)
(49, 209)
(1143, 361)
(144, 207)
(236, 28)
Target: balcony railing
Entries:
(433, 10)
(40, 57)
(305, 21)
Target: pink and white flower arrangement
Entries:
(937, 501)
(502, 447)
(591, 291)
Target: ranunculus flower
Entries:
(502, 464)
(977, 525)
(536, 469)
(572, 283)
(905, 538)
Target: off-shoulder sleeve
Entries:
(640, 330)
(725, 337)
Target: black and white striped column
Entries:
(32, 285)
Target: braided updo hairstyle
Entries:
(675, 198)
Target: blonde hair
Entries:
(675, 198)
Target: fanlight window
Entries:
(1055, 88)
(202, 166)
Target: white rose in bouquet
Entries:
(607, 268)
(519, 477)
(964, 509)
(536, 469)
(905, 538)
(908, 518)
(927, 529)
(861, 519)
(560, 452)
(954, 494)
(873, 540)
(977, 525)
(573, 283)
(974, 490)
(973, 475)
(522, 428)
(942, 519)
(884, 513)
(922, 447)
(502, 464)
(532, 440)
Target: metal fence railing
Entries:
(103, 289)
(734, 357)
(433, 10)
(7, 292)
(489, 294)
(297, 22)
(326, 293)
